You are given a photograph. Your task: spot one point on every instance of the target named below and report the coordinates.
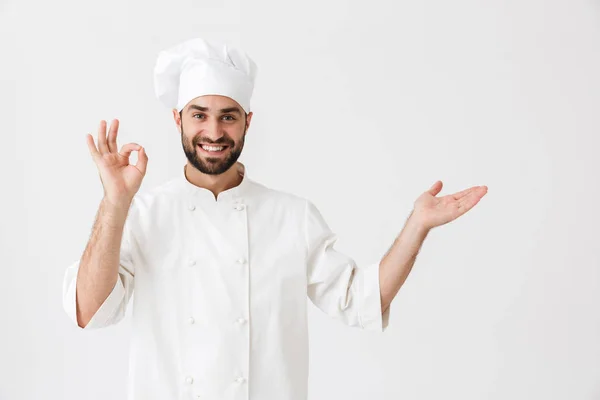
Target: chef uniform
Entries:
(221, 284)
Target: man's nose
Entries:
(213, 130)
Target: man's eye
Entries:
(198, 115)
(230, 118)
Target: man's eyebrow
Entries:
(199, 108)
(231, 110)
(223, 110)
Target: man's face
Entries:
(213, 130)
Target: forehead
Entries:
(213, 102)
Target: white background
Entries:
(359, 106)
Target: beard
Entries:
(212, 165)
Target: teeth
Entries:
(212, 148)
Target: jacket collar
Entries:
(234, 194)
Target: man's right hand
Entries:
(120, 179)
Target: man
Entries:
(222, 265)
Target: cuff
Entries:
(370, 311)
(106, 311)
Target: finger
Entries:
(102, 146)
(469, 201)
(126, 149)
(436, 188)
(112, 136)
(142, 162)
(92, 147)
(463, 193)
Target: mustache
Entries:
(222, 141)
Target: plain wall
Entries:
(360, 107)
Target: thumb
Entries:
(142, 161)
(436, 188)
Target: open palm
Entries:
(434, 211)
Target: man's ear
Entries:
(177, 118)
(249, 119)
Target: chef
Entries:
(220, 265)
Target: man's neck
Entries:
(215, 183)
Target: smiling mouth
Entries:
(213, 149)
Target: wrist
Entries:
(417, 224)
(116, 206)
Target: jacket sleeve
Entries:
(114, 307)
(336, 285)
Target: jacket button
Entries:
(192, 263)
(241, 260)
(189, 380)
(191, 320)
(240, 379)
(240, 207)
(191, 207)
(241, 321)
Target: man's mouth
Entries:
(213, 149)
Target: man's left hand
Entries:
(431, 211)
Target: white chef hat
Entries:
(198, 67)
